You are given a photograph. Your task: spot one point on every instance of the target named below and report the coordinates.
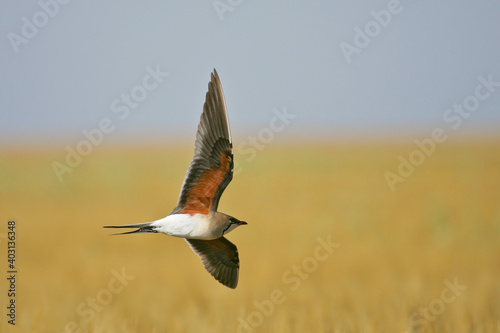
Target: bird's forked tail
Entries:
(143, 227)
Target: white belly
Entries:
(185, 226)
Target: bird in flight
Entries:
(196, 218)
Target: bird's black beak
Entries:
(242, 223)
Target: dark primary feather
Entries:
(211, 169)
(220, 258)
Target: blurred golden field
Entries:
(398, 251)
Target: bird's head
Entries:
(231, 224)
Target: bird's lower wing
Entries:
(220, 258)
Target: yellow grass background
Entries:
(396, 248)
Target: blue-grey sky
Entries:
(344, 69)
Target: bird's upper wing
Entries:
(212, 167)
(220, 258)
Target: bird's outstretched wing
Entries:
(212, 167)
(220, 258)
